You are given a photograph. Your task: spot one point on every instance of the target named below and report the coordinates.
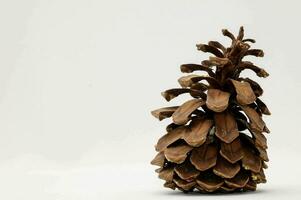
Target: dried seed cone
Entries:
(216, 141)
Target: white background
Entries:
(78, 80)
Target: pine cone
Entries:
(215, 142)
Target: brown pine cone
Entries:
(216, 140)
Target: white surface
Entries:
(123, 181)
(78, 80)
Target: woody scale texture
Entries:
(216, 141)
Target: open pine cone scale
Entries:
(216, 140)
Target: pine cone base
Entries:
(222, 177)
